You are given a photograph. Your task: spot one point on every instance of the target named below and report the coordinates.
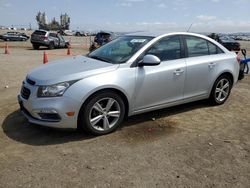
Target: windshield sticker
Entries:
(138, 40)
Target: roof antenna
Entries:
(189, 27)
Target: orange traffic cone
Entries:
(6, 49)
(45, 58)
(69, 51)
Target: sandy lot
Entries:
(192, 145)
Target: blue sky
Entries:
(134, 15)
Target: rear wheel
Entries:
(35, 46)
(51, 46)
(221, 90)
(102, 113)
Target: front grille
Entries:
(25, 93)
(31, 82)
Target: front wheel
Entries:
(102, 113)
(221, 90)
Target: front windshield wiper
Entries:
(99, 58)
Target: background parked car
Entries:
(101, 38)
(14, 36)
(227, 42)
(49, 39)
(230, 43)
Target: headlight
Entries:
(54, 90)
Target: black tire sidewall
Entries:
(85, 110)
(35, 46)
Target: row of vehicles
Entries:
(55, 40)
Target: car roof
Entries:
(41, 30)
(162, 33)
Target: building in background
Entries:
(64, 21)
(41, 19)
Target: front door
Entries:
(164, 83)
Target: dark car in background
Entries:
(14, 36)
(101, 38)
(48, 39)
(226, 41)
(230, 43)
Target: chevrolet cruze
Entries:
(132, 74)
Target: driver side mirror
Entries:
(149, 60)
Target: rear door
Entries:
(202, 57)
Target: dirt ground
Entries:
(192, 145)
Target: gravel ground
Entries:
(192, 145)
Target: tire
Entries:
(35, 46)
(105, 109)
(51, 46)
(66, 45)
(221, 90)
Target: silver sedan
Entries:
(132, 74)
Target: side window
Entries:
(196, 46)
(60, 37)
(168, 48)
(213, 49)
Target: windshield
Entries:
(120, 50)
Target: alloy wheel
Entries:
(222, 90)
(104, 114)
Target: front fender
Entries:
(120, 79)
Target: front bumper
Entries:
(49, 112)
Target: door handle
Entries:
(211, 65)
(178, 72)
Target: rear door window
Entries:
(213, 49)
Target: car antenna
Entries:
(190, 27)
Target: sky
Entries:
(133, 15)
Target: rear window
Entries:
(53, 35)
(213, 49)
(39, 32)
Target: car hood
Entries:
(73, 68)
